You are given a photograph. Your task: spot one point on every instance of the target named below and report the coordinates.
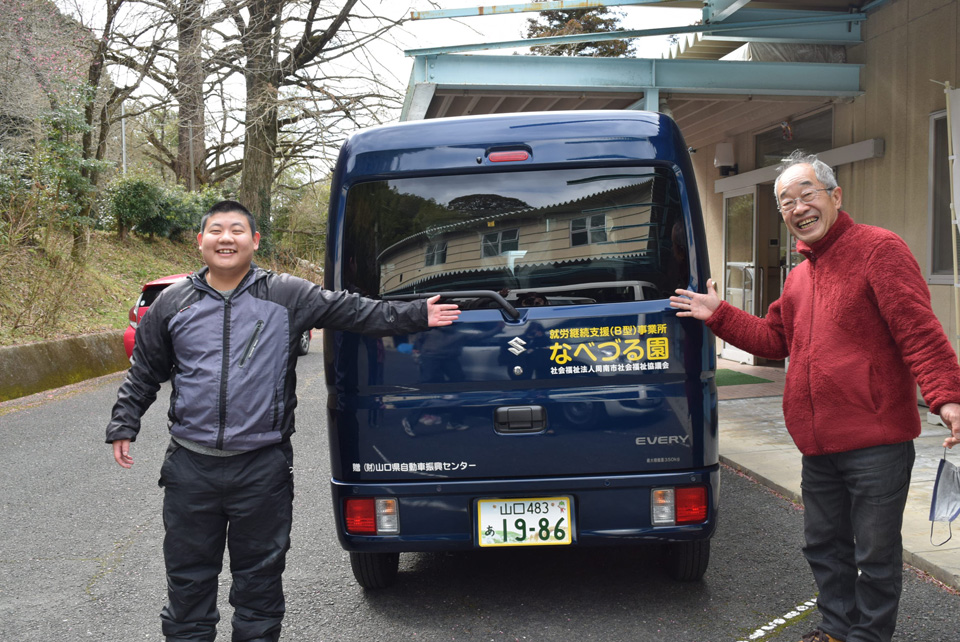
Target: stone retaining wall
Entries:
(35, 367)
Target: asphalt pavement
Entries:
(82, 539)
(754, 440)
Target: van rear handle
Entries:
(520, 419)
(461, 294)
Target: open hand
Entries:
(696, 305)
(441, 313)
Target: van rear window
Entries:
(557, 237)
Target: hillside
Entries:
(43, 295)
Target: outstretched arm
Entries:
(439, 314)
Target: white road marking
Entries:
(773, 625)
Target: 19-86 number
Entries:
(543, 530)
(528, 521)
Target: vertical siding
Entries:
(907, 45)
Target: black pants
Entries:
(853, 513)
(244, 502)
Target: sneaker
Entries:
(819, 636)
(407, 428)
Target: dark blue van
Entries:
(569, 405)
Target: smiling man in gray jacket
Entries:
(226, 337)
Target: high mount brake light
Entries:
(508, 157)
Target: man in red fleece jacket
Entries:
(855, 320)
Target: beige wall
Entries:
(907, 43)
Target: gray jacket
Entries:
(233, 362)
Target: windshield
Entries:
(553, 237)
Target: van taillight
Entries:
(692, 505)
(372, 516)
(361, 517)
(675, 506)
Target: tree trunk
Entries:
(259, 149)
(191, 150)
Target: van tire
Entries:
(687, 561)
(375, 570)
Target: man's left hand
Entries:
(950, 414)
(446, 313)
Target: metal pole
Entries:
(193, 167)
(953, 221)
(123, 137)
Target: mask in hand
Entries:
(945, 506)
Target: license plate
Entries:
(536, 521)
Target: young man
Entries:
(855, 320)
(227, 338)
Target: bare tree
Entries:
(260, 86)
(288, 93)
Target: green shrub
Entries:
(148, 207)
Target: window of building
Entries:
(940, 264)
(813, 134)
(436, 254)
(496, 243)
(587, 230)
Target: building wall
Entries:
(907, 44)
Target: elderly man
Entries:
(855, 320)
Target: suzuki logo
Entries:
(516, 345)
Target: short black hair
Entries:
(229, 206)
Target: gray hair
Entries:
(823, 171)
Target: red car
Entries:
(149, 293)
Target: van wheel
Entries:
(687, 561)
(375, 570)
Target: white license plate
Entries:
(535, 521)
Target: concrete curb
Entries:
(35, 367)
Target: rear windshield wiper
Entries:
(460, 294)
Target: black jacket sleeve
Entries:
(343, 310)
(152, 363)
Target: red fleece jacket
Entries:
(855, 320)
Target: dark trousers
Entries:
(853, 512)
(244, 502)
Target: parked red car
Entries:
(149, 293)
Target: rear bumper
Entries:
(611, 510)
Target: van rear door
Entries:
(566, 360)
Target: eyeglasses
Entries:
(807, 196)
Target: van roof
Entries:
(554, 136)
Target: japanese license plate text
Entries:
(535, 521)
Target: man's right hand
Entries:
(693, 304)
(950, 414)
(121, 452)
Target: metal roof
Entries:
(710, 99)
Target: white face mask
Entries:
(945, 506)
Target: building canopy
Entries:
(746, 63)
